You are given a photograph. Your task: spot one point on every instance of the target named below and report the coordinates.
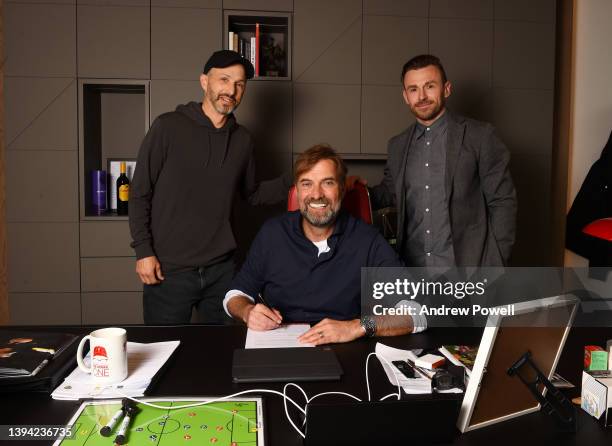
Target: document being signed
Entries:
(283, 336)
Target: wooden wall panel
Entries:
(4, 308)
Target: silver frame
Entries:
(486, 347)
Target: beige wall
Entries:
(592, 98)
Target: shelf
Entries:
(113, 118)
(112, 216)
(274, 41)
(382, 157)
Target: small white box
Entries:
(596, 395)
(430, 361)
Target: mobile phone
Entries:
(404, 368)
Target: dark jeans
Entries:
(172, 300)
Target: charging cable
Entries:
(283, 394)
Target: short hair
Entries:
(307, 160)
(422, 61)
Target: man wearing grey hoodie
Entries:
(192, 163)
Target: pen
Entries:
(121, 437)
(264, 301)
(40, 366)
(418, 369)
(108, 429)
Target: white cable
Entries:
(287, 411)
(335, 393)
(367, 375)
(308, 400)
(202, 403)
(283, 394)
(399, 389)
(298, 387)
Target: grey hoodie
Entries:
(186, 179)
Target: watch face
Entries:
(369, 324)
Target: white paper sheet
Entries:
(144, 361)
(283, 336)
(410, 385)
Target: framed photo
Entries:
(504, 340)
(113, 170)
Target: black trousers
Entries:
(172, 300)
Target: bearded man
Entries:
(307, 263)
(191, 165)
(448, 177)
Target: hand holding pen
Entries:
(263, 317)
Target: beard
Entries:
(429, 115)
(217, 103)
(317, 219)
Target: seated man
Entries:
(307, 264)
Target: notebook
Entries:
(285, 364)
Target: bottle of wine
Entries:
(123, 191)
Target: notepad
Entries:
(282, 337)
(144, 361)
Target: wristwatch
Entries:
(369, 325)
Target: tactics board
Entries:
(232, 422)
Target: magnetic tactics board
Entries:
(232, 422)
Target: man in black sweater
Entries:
(190, 166)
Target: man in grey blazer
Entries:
(448, 177)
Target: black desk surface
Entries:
(202, 366)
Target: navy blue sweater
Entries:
(284, 266)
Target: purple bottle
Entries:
(98, 191)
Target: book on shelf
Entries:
(253, 54)
(247, 48)
(25, 354)
(257, 49)
(461, 355)
(230, 41)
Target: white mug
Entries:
(108, 348)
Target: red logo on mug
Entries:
(100, 351)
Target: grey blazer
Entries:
(480, 193)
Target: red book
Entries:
(257, 49)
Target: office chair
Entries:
(356, 202)
(601, 228)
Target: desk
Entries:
(202, 366)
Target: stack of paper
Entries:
(422, 384)
(410, 385)
(144, 361)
